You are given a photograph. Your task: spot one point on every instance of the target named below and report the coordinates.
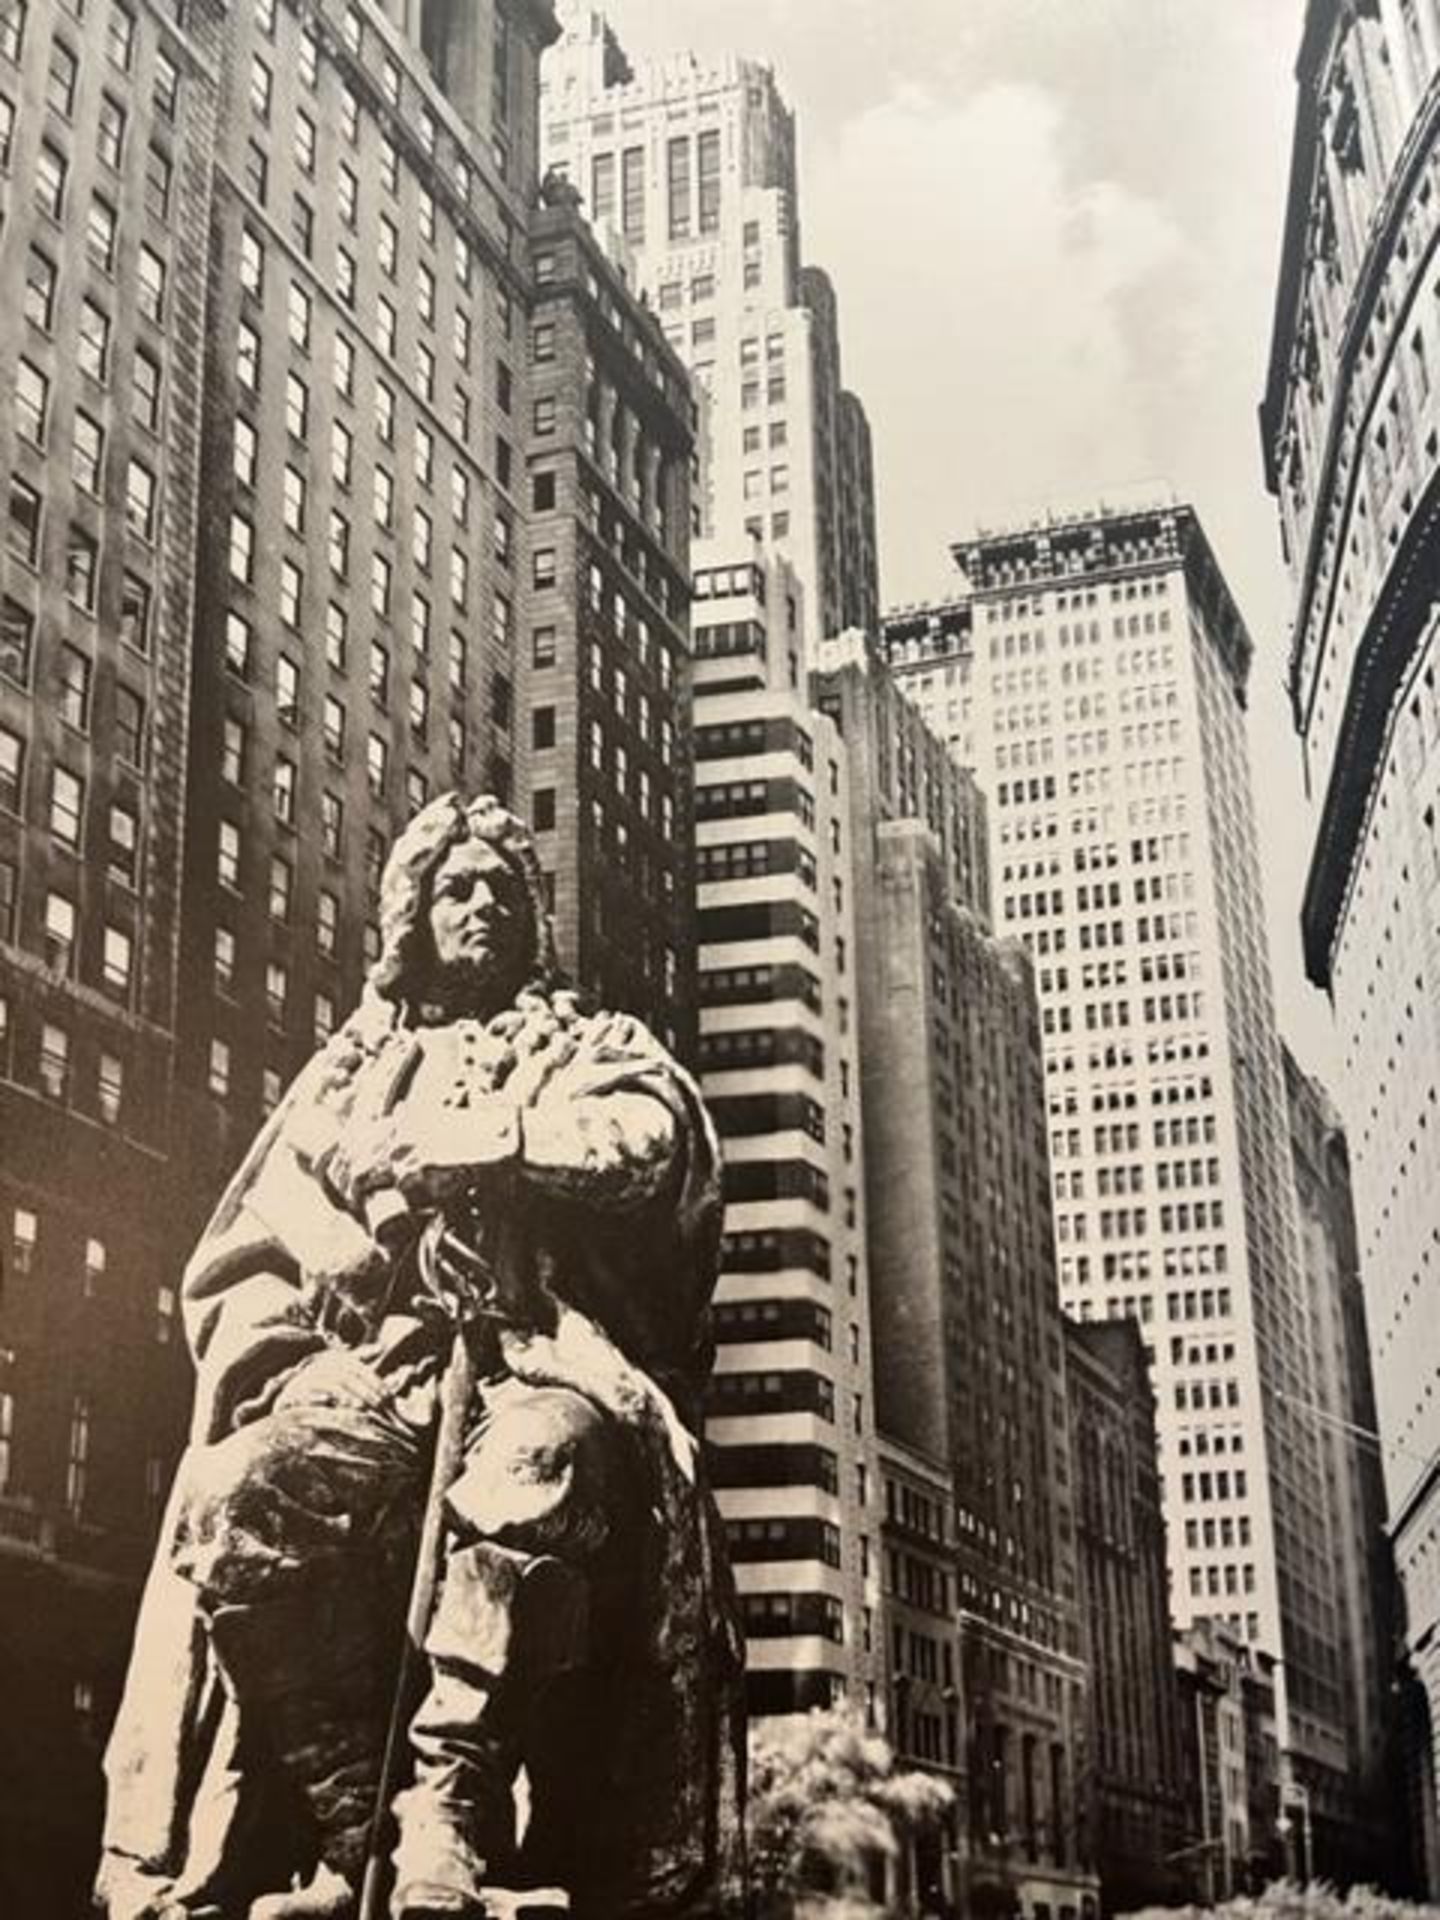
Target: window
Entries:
(247, 449)
(117, 959)
(140, 500)
(40, 284)
(420, 624)
(158, 175)
(384, 414)
(32, 402)
(287, 691)
(232, 751)
(110, 133)
(678, 186)
(12, 771)
(542, 647)
(54, 1060)
(342, 453)
(348, 195)
(283, 791)
(135, 613)
(74, 688)
(460, 337)
(237, 645)
(167, 86)
(93, 345)
(17, 641)
(425, 294)
(305, 143)
(377, 765)
(23, 526)
(422, 538)
(334, 727)
(109, 1098)
(228, 858)
(459, 578)
(252, 263)
(100, 233)
(345, 277)
(332, 825)
(344, 364)
(381, 576)
(130, 726)
(123, 859)
(456, 669)
(504, 387)
(297, 408)
(60, 84)
(384, 497)
(292, 588)
(280, 889)
(543, 566)
(120, 38)
(632, 193)
(151, 284)
(545, 415)
(219, 1074)
(145, 391)
(419, 709)
(337, 542)
(67, 805)
(327, 923)
(337, 634)
(386, 327)
(82, 569)
(379, 673)
(460, 496)
(50, 170)
(298, 316)
(302, 225)
(60, 926)
(709, 172)
(292, 504)
(247, 357)
(262, 88)
(12, 29)
(257, 170)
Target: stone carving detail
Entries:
(450, 1330)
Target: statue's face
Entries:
(479, 925)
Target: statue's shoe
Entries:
(329, 1896)
(423, 1902)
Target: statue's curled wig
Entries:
(406, 958)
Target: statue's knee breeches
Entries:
(290, 1495)
(544, 1473)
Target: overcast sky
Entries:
(1053, 227)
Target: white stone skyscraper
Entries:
(1093, 673)
(689, 170)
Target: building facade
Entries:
(107, 137)
(968, 1349)
(340, 471)
(1136, 1785)
(925, 1719)
(1349, 423)
(1093, 671)
(791, 1419)
(1231, 1766)
(689, 170)
(1372, 1849)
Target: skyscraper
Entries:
(969, 1351)
(791, 1421)
(1350, 421)
(1093, 671)
(339, 471)
(690, 169)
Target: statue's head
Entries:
(463, 925)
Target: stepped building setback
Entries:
(688, 170)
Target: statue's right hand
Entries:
(334, 1378)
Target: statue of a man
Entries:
(475, 1171)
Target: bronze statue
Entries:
(484, 1212)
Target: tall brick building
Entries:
(339, 471)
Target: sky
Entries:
(1054, 228)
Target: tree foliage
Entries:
(826, 1802)
(1285, 1900)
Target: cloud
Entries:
(997, 336)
